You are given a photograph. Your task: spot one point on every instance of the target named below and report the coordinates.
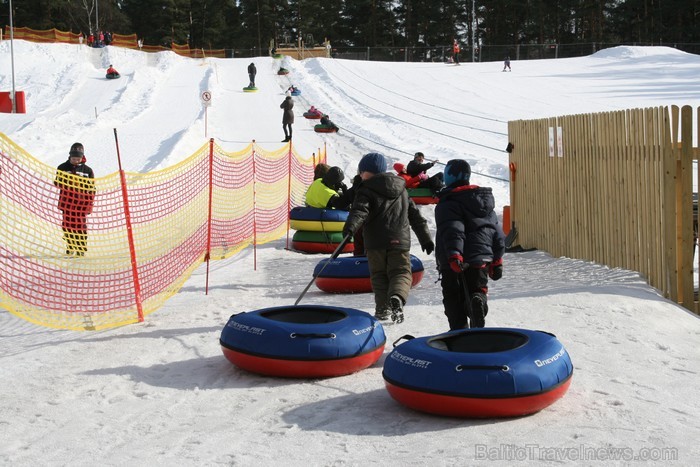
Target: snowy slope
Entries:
(161, 393)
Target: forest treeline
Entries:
(240, 24)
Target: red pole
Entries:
(211, 194)
(130, 234)
(289, 189)
(255, 222)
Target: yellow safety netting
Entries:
(146, 232)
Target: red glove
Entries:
(456, 262)
(496, 269)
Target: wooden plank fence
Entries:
(615, 188)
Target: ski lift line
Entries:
(345, 130)
(428, 129)
(419, 101)
(420, 115)
(410, 154)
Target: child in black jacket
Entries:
(469, 246)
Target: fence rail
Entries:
(615, 188)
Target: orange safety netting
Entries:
(129, 41)
(145, 234)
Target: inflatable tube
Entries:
(283, 71)
(277, 55)
(486, 372)
(249, 89)
(324, 129)
(317, 219)
(320, 242)
(306, 341)
(351, 274)
(312, 116)
(113, 76)
(422, 195)
(296, 92)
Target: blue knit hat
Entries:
(372, 162)
(457, 170)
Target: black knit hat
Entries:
(76, 150)
(334, 177)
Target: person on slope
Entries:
(287, 118)
(252, 71)
(434, 183)
(327, 122)
(418, 168)
(112, 73)
(75, 180)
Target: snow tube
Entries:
(277, 55)
(306, 341)
(324, 129)
(351, 274)
(317, 219)
(320, 242)
(480, 373)
(113, 76)
(313, 115)
(283, 71)
(422, 195)
(249, 89)
(296, 92)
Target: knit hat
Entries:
(418, 154)
(76, 150)
(334, 177)
(399, 167)
(372, 162)
(457, 170)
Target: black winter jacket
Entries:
(287, 116)
(382, 205)
(467, 224)
(414, 168)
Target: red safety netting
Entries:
(141, 237)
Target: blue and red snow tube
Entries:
(350, 274)
(480, 373)
(305, 341)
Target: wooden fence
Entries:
(615, 188)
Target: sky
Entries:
(162, 393)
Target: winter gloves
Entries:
(496, 269)
(456, 263)
(428, 247)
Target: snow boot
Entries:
(396, 307)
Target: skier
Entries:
(506, 63)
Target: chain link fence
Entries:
(490, 53)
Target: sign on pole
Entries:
(206, 101)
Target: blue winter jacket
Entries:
(467, 224)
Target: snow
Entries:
(162, 393)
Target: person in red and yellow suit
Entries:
(77, 184)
